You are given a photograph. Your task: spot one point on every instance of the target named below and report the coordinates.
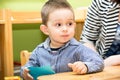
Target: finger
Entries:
(26, 69)
(76, 68)
(83, 71)
(25, 72)
(70, 65)
(30, 76)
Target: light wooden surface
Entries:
(6, 50)
(12, 78)
(7, 18)
(20, 17)
(1, 51)
(24, 56)
(109, 73)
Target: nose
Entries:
(64, 29)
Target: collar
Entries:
(72, 42)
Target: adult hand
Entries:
(112, 60)
(78, 67)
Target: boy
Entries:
(60, 50)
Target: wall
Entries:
(28, 36)
(36, 4)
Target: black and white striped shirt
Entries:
(101, 24)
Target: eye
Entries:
(58, 24)
(70, 24)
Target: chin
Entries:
(65, 41)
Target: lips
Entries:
(65, 35)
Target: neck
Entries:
(56, 45)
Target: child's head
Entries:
(58, 21)
(52, 5)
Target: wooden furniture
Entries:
(109, 73)
(80, 16)
(24, 56)
(7, 18)
(6, 49)
(12, 78)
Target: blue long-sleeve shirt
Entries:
(71, 52)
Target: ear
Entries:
(44, 28)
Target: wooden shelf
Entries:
(26, 21)
(25, 17)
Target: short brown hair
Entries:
(52, 5)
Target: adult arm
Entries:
(92, 25)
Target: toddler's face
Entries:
(61, 25)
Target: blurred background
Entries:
(36, 4)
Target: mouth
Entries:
(65, 35)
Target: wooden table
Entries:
(109, 73)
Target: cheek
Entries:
(53, 31)
(72, 30)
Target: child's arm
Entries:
(78, 67)
(90, 46)
(90, 58)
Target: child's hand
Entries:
(78, 67)
(26, 74)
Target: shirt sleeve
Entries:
(92, 24)
(91, 59)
